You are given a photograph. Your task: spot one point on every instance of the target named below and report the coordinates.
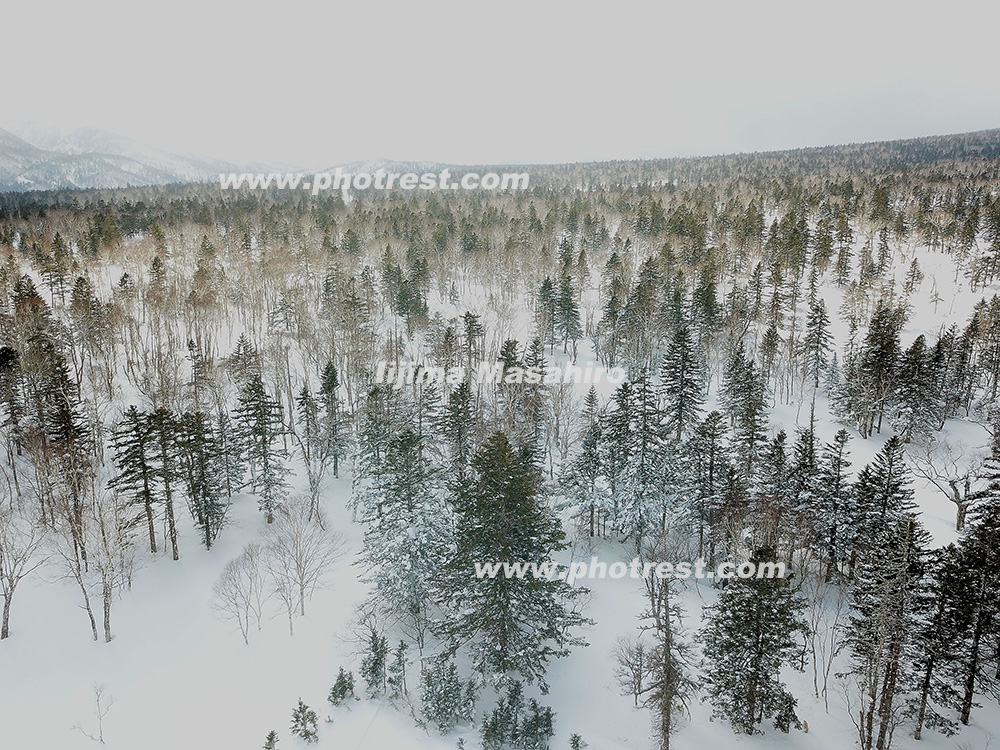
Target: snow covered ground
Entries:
(176, 675)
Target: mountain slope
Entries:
(92, 158)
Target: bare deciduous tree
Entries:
(953, 468)
(633, 666)
(828, 609)
(102, 705)
(110, 541)
(300, 550)
(240, 591)
(20, 555)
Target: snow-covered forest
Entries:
(218, 530)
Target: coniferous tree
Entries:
(891, 548)
(165, 432)
(871, 378)
(584, 476)
(803, 485)
(681, 386)
(457, 427)
(640, 486)
(535, 404)
(446, 700)
(383, 417)
(545, 312)
(771, 501)
(749, 634)
(743, 396)
(513, 625)
(568, 315)
(883, 493)
(232, 464)
(319, 435)
(305, 723)
(501, 729)
(375, 664)
(709, 465)
(203, 471)
(343, 688)
(979, 547)
(259, 423)
(396, 672)
(333, 425)
(831, 515)
(941, 618)
(915, 398)
(134, 444)
(409, 538)
(816, 344)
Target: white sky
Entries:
(317, 83)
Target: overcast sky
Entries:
(318, 83)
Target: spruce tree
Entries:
(133, 441)
(409, 537)
(749, 635)
(639, 485)
(915, 399)
(343, 688)
(383, 417)
(457, 428)
(165, 432)
(396, 671)
(681, 386)
(831, 514)
(891, 559)
(743, 397)
(305, 723)
(545, 311)
(872, 377)
(259, 423)
(940, 603)
(446, 700)
(708, 461)
(203, 471)
(512, 625)
(583, 477)
(816, 344)
(232, 464)
(771, 505)
(883, 624)
(375, 664)
(334, 430)
(980, 597)
(568, 314)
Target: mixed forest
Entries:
(800, 370)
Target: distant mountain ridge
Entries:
(371, 166)
(48, 159)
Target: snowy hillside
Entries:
(32, 158)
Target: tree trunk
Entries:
(171, 524)
(973, 668)
(925, 683)
(4, 632)
(150, 524)
(106, 595)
